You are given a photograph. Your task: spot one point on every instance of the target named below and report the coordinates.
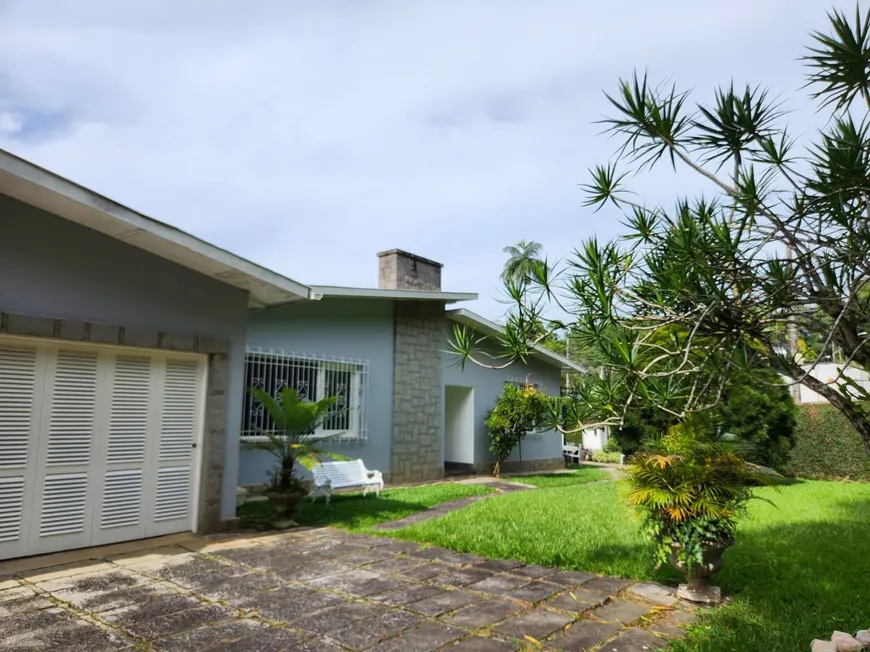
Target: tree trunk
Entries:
(847, 408)
(287, 472)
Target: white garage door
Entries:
(97, 444)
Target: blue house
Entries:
(410, 410)
(127, 347)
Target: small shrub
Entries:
(256, 515)
(606, 458)
(612, 446)
(690, 490)
(517, 412)
(827, 446)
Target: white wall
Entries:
(827, 372)
(595, 438)
(459, 424)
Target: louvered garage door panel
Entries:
(69, 425)
(96, 444)
(179, 423)
(122, 492)
(18, 434)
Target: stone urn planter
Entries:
(284, 502)
(697, 587)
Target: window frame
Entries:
(356, 395)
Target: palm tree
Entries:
(522, 257)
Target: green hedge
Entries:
(827, 446)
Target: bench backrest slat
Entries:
(341, 474)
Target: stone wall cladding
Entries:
(399, 270)
(215, 426)
(417, 393)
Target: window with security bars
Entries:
(314, 378)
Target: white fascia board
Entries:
(337, 292)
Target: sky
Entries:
(307, 136)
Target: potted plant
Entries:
(691, 489)
(292, 440)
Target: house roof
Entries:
(487, 327)
(332, 291)
(38, 187)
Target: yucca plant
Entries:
(292, 440)
(691, 489)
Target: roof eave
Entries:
(48, 191)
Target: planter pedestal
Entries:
(703, 594)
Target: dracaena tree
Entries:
(698, 292)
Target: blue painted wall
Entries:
(50, 267)
(347, 328)
(488, 384)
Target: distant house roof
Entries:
(38, 187)
(487, 327)
(331, 291)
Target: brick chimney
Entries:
(399, 270)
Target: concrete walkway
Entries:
(500, 486)
(320, 590)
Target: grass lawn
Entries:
(354, 511)
(799, 570)
(580, 476)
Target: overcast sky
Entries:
(307, 136)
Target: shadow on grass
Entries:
(354, 511)
(790, 583)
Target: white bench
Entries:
(344, 475)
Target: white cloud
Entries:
(308, 136)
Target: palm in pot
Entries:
(292, 440)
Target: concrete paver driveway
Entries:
(320, 590)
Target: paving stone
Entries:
(481, 644)
(498, 584)
(313, 571)
(97, 601)
(442, 603)
(636, 640)
(533, 571)
(534, 592)
(499, 565)
(335, 618)
(571, 578)
(397, 546)
(150, 609)
(289, 602)
(482, 614)
(621, 611)
(396, 564)
(609, 585)
(260, 557)
(54, 630)
(367, 556)
(237, 635)
(577, 600)
(179, 621)
(445, 556)
(425, 571)
(666, 628)
(200, 571)
(24, 605)
(657, 593)
(370, 632)
(239, 588)
(16, 593)
(460, 577)
(583, 635)
(537, 623)
(425, 638)
(406, 595)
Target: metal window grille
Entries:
(314, 378)
(522, 383)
